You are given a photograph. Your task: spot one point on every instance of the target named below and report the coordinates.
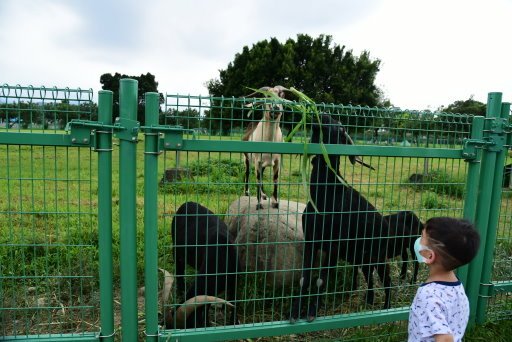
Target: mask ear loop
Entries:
(418, 247)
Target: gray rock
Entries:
(269, 239)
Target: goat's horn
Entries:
(168, 281)
(360, 161)
(192, 304)
(356, 159)
(281, 90)
(258, 92)
(349, 139)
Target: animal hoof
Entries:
(259, 206)
(311, 313)
(275, 205)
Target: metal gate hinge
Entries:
(173, 136)
(83, 132)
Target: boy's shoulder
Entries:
(440, 291)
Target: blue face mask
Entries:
(418, 247)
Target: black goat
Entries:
(346, 225)
(406, 227)
(202, 241)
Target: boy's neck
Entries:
(439, 274)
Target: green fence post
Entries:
(489, 243)
(128, 210)
(483, 205)
(472, 192)
(104, 149)
(150, 217)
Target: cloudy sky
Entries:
(432, 52)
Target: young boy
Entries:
(440, 310)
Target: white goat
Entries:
(267, 129)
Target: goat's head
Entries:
(177, 318)
(273, 110)
(330, 131)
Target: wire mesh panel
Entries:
(500, 306)
(416, 173)
(48, 236)
(41, 109)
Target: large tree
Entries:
(319, 68)
(468, 106)
(146, 83)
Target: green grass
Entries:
(49, 238)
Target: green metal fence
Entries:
(50, 236)
(67, 258)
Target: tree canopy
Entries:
(321, 69)
(468, 106)
(146, 83)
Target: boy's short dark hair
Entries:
(456, 240)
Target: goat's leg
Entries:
(403, 270)
(416, 265)
(260, 194)
(328, 264)
(179, 261)
(275, 169)
(231, 286)
(355, 275)
(305, 280)
(383, 271)
(247, 172)
(367, 269)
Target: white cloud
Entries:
(432, 52)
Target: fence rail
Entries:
(67, 257)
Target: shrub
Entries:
(438, 182)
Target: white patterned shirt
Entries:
(439, 307)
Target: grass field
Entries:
(49, 241)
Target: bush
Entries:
(216, 168)
(432, 201)
(438, 182)
(220, 176)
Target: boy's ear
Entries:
(430, 257)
